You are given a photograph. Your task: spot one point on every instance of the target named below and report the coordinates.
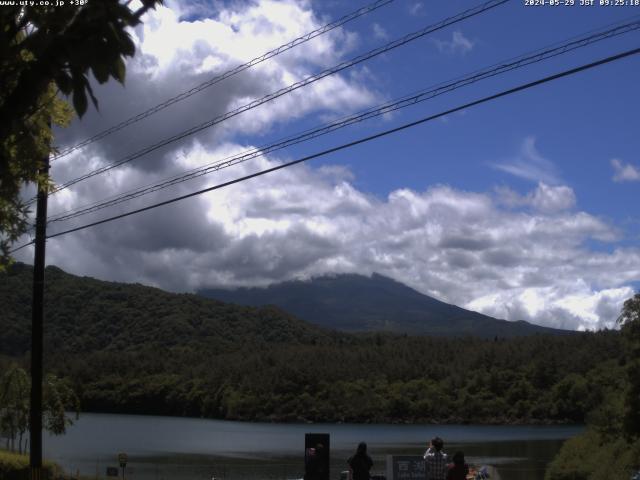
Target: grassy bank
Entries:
(14, 466)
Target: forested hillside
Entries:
(130, 348)
(610, 447)
(87, 315)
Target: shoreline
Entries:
(287, 420)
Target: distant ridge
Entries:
(128, 348)
(351, 302)
(86, 315)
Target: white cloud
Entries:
(531, 165)
(175, 54)
(379, 32)
(624, 172)
(416, 8)
(463, 247)
(517, 256)
(458, 44)
(572, 307)
(544, 198)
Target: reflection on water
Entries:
(169, 448)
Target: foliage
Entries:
(630, 311)
(592, 456)
(611, 446)
(21, 158)
(14, 466)
(135, 349)
(15, 388)
(58, 398)
(630, 320)
(14, 405)
(45, 50)
(42, 44)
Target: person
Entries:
(458, 470)
(435, 460)
(360, 464)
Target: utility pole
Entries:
(37, 316)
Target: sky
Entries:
(522, 208)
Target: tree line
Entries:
(134, 349)
(610, 447)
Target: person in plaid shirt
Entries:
(435, 461)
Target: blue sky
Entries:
(579, 123)
(522, 208)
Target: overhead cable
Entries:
(412, 99)
(405, 126)
(272, 96)
(229, 73)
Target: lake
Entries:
(163, 448)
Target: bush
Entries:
(14, 466)
(593, 456)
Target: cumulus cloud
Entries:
(572, 307)
(379, 32)
(529, 164)
(463, 247)
(458, 44)
(544, 198)
(515, 256)
(416, 8)
(174, 54)
(624, 172)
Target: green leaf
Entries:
(80, 101)
(64, 82)
(100, 71)
(119, 70)
(94, 100)
(127, 47)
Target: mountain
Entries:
(128, 348)
(87, 315)
(350, 302)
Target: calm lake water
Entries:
(163, 448)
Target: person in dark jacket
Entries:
(458, 470)
(360, 464)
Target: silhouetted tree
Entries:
(45, 50)
(14, 405)
(15, 388)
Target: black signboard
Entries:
(112, 471)
(316, 456)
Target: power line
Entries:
(412, 99)
(272, 96)
(405, 126)
(442, 88)
(229, 73)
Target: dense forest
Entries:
(610, 447)
(135, 349)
